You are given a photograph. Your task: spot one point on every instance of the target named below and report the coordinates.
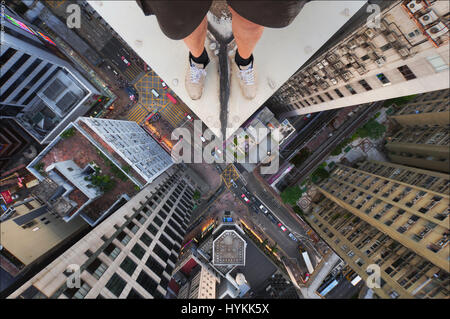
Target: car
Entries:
(282, 227)
(164, 85)
(263, 209)
(292, 237)
(272, 219)
(245, 198)
(203, 138)
(153, 117)
(156, 94)
(190, 118)
(307, 116)
(125, 60)
(171, 98)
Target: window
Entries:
(146, 239)
(138, 251)
(154, 266)
(383, 79)
(82, 292)
(152, 229)
(88, 253)
(112, 251)
(96, 268)
(320, 98)
(128, 266)
(386, 47)
(123, 238)
(157, 221)
(147, 282)
(350, 89)
(161, 252)
(438, 63)
(338, 93)
(406, 72)
(133, 227)
(365, 58)
(365, 85)
(329, 96)
(116, 285)
(134, 295)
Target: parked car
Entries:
(164, 85)
(282, 227)
(153, 117)
(245, 198)
(263, 209)
(190, 118)
(171, 98)
(292, 237)
(125, 61)
(272, 219)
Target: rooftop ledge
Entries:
(278, 55)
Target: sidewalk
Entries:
(319, 277)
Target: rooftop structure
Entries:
(41, 90)
(229, 249)
(87, 169)
(274, 63)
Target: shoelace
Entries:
(196, 74)
(248, 76)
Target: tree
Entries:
(196, 195)
(319, 173)
(68, 133)
(298, 210)
(291, 195)
(371, 129)
(301, 156)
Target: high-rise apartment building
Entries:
(40, 89)
(393, 216)
(404, 52)
(131, 254)
(421, 139)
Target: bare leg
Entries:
(246, 34)
(196, 40)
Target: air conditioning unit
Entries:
(347, 75)
(370, 33)
(391, 37)
(361, 39)
(339, 65)
(350, 58)
(324, 63)
(428, 18)
(415, 5)
(320, 66)
(403, 52)
(352, 44)
(334, 81)
(437, 30)
(381, 61)
(332, 57)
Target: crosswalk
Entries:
(174, 114)
(132, 72)
(138, 114)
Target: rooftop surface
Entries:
(81, 151)
(315, 24)
(229, 249)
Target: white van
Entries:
(155, 93)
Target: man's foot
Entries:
(246, 75)
(196, 74)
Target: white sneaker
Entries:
(195, 79)
(247, 80)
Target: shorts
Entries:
(179, 18)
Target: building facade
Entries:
(40, 89)
(393, 216)
(131, 254)
(421, 138)
(404, 53)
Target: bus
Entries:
(356, 280)
(308, 262)
(323, 292)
